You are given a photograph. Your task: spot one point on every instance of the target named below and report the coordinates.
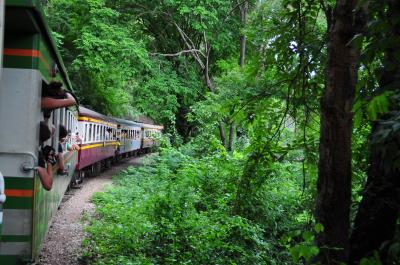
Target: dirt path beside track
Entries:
(62, 245)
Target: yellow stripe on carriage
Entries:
(82, 118)
(98, 145)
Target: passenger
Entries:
(46, 158)
(70, 143)
(62, 135)
(54, 96)
(78, 140)
(75, 141)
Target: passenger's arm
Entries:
(54, 103)
(46, 176)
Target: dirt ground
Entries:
(62, 244)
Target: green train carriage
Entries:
(30, 61)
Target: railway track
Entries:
(62, 244)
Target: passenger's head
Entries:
(45, 133)
(53, 90)
(62, 132)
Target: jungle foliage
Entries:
(278, 116)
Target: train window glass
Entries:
(85, 134)
(69, 121)
(90, 133)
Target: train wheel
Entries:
(81, 176)
(97, 169)
(108, 163)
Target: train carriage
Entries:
(130, 134)
(99, 141)
(150, 134)
(30, 62)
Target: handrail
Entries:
(2, 194)
(2, 200)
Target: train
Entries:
(29, 61)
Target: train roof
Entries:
(127, 122)
(152, 126)
(28, 16)
(93, 114)
(140, 124)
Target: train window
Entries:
(69, 121)
(85, 133)
(90, 132)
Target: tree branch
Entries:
(178, 53)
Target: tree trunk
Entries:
(243, 17)
(379, 209)
(232, 130)
(334, 176)
(211, 87)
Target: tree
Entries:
(378, 212)
(334, 176)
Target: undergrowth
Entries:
(178, 209)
